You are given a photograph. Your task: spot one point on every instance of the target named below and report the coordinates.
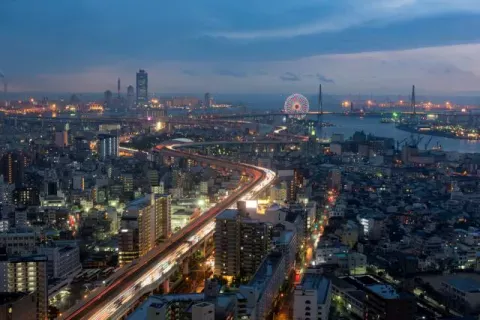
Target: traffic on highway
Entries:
(145, 274)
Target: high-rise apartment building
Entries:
(130, 97)
(13, 165)
(145, 221)
(241, 243)
(26, 274)
(107, 146)
(142, 88)
(163, 216)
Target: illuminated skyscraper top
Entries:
(142, 88)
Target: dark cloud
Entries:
(289, 76)
(324, 79)
(230, 73)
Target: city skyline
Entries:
(380, 48)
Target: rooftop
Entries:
(465, 284)
(386, 291)
(316, 282)
(228, 214)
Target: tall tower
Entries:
(413, 101)
(118, 88)
(320, 109)
(142, 88)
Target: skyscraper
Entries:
(208, 100)
(13, 164)
(130, 97)
(107, 99)
(142, 88)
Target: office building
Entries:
(13, 165)
(130, 97)
(17, 306)
(107, 146)
(18, 241)
(462, 293)
(311, 299)
(241, 244)
(334, 180)
(384, 302)
(127, 182)
(208, 101)
(78, 182)
(107, 99)
(142, 88)
(61, 138)
(63, 261)
(26, 196)
(26, 274)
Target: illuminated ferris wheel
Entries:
(296, 106)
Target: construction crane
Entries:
(428, 142)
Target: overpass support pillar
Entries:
(204, 248)
(166, 286)
(185, 268)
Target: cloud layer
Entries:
(266, 46)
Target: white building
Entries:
(312, 298)
(203, 311)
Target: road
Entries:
(134, 280)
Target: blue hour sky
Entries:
(247, 46)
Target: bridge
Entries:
(145, 275)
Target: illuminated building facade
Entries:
(145, 221)
(107, 145)
(142, 88)
(27, 274)
(241, 244)
(13, 165)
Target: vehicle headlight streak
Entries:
(162, 268)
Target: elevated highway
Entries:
(143, 276)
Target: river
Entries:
(348, 125)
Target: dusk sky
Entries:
(246, 46)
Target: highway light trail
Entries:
(137, 279)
